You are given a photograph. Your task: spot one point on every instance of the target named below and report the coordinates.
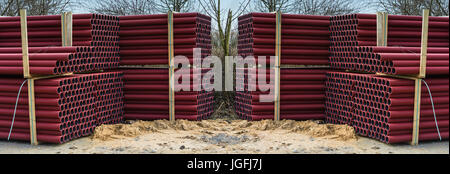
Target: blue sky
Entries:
(226, 4)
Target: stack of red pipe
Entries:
(351, 32)
(66, 107)
(97, 34)
(382, 108)
(147, 96)
(56, 60)
(88, 30)
(110, 97)
(144, 38)
(401, 60)
(302, 95)
(304, 38)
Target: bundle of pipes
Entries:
(397, 60)
(304, 38)
(349, 33)
(57, 60)
(144, 38)
(88, 30)
(110, 97)
(147, 96)
(302, 94)
(97, 35)
(66, 107)
(382, 107)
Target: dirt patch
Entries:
(236, 127)
(311, 128)
(225, 139)
(329, 131)
(108, 132)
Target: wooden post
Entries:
(24, 35)
(424, 45)
(171, 67)
(32, 112)
(66, 29)
(416, 119)
(421, 75)
(382, 29)
(277, 67)
(27, 75)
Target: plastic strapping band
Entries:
(434, 112)
(15, 108)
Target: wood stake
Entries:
(24, 35)
(27, 75)
(277, 67)
(382, 29)
(424, 45)
(32, 112)
(171, 68)
(416, 120)
(66, 27)
(421, 75)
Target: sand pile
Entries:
(311, 128)
(330, 131)
(117, 131)
(136, 128)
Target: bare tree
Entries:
(273, 5)
(214, 9)
(414, 7)
(176, 5)
(34, 7)
(224, 44)
(327, 7)
(121, 7)
(6, 8)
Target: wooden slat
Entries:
(278, 39)
(304, 66)
(66, 29)
(397, 76)
(416, 116)
(171, 67)
(27, 75)
(277, 94)
(52, 76)
(24, 35)
(424, 45)
(277, 67)
(145, 66)
(32, 112)
(421, 75)
(382, 29)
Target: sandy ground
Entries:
(224, 137)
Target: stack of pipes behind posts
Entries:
(95, 44)
(67, 107)
(354, 36)
(304, 41)
(144, 42)
(381, 107)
